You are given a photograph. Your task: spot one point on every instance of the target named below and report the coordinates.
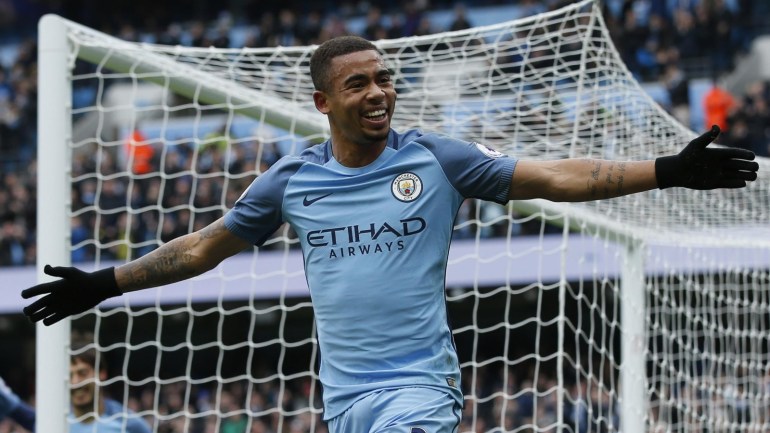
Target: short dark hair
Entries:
(87, 355)
(323, 55)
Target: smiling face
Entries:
(359, 102)
(82, 394)
(83, 385)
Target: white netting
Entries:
(540, 314)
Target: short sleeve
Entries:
(475, 170)
(257, 213)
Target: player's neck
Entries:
(356, 155)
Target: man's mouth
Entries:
(375, 115)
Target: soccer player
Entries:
(112, 416)
(374, 210)
(85, 402)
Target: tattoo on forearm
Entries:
(608, 181)
(596, 170)
(592, 187)
(165, 265)
(613, 176)
(621, 176)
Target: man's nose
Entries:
(375, 92)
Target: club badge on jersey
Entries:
(406, 187)
(488, 151)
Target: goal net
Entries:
(643, 313)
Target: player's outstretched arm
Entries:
(185, 257)
(12, 407)
(697, 167)
(180, 259)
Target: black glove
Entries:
(697, 167)
(74, 293)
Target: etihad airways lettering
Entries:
(364, 249)
(365, 233)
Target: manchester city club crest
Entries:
(406, 187)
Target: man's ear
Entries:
(321, 103)
(103, 375)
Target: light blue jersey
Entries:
(113, 420)
(375, 241)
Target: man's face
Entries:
(82, 393)
(360, 99)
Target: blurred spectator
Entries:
(677, 86)
(739, 134)
(413, 16)
(396, 29)
(374, 28)
(222, 37)
(633, 51)
(717, 105)
(460, 20)
(139, 153)
(12, 243)
(750, 121)
(172, 35)
(267, 29)
(197, 33)
(424, 27)
(722, 45)
(287, 29)
(686, 36)
(335, 26)
(309, 31)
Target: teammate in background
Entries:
(374, 211)
(85, 401)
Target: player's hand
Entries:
(698, 167)
(75, 292)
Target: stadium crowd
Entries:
(656, 38)
(666, 41)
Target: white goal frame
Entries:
(54, 130)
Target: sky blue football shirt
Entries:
(375, 242)
(115, 419)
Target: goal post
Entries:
(642, 313)
(54, 127)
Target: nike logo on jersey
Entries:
(308, 202)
